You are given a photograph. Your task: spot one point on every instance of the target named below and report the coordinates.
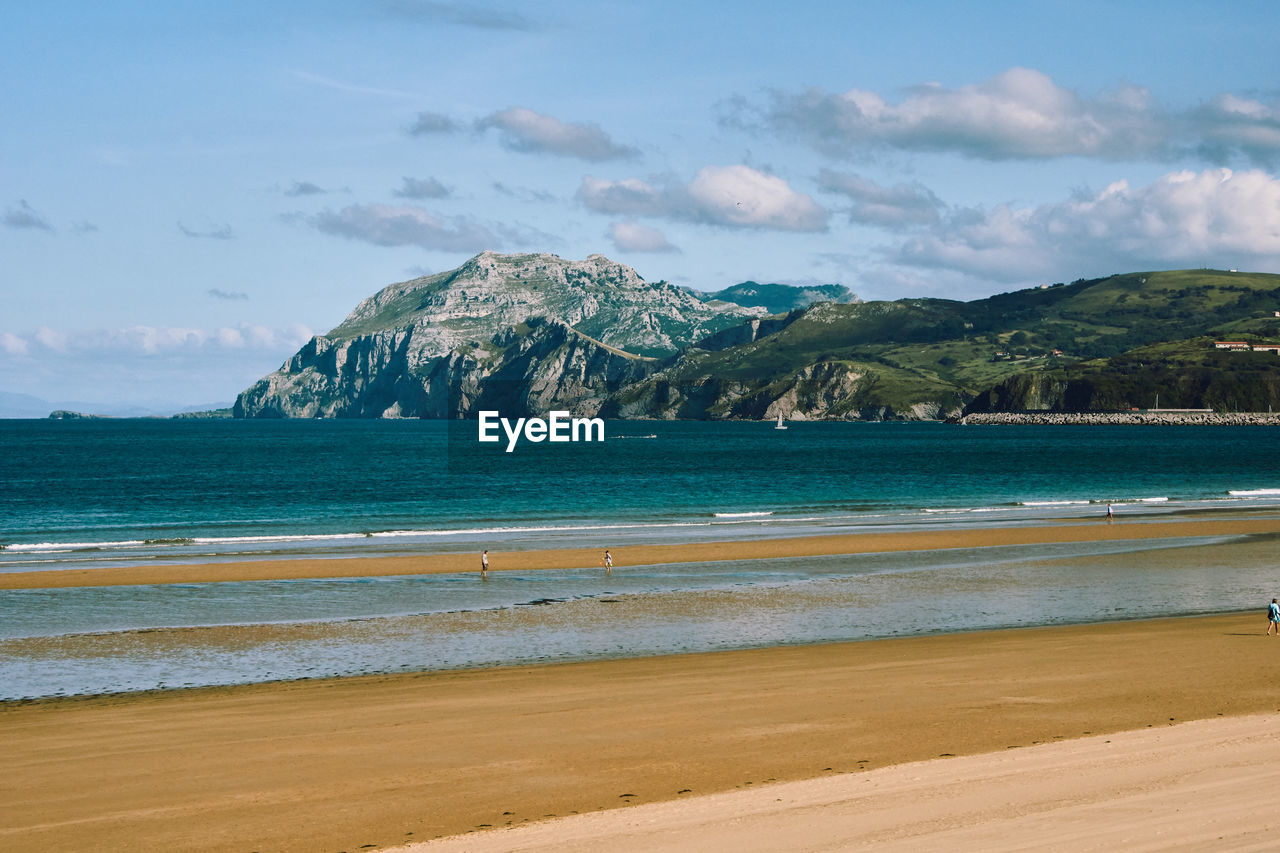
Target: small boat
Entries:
(780, 425)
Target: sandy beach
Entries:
(382, 761)
(739, 549)
(1189, 786)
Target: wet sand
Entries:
(383, 761)
(568, 558)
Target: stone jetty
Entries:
(1149, 417)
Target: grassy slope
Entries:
(925, 347)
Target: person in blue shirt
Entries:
(1273, 618)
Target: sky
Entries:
(190, 190)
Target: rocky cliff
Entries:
(533, 331)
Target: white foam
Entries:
(1253, 493)
(70, 546)
(742, 514)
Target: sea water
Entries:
(77, 494)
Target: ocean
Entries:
(103, 493)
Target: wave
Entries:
(956, 510)
(208, 541)
(1253, 493)
(72, 546)
(760, 514)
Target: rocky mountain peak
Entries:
(395, 340)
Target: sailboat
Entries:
(780, 425)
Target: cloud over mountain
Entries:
(152, 340)
(1221, 216)
(728, 196)
(898, 206)
(634, 237)
(404, 225)
(524, 130)
(1018, 114)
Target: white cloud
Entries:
(524, 130)
(898, 206)
(634, 237)
(405, 225)
(630, 197)
(1214, 217)
(14, 345)
(1018, 114)
(160, 368)
(152, 340)
(730, 196)
(50, 339)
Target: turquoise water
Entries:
(78, 493)
(104, 493)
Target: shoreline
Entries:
(388, 760)
(1085, 530)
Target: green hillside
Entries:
(1187, 374)
(1155, 328)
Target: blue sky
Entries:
(189, 190)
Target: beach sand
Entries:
(1199, 786)
(568, 558)
(382, 761)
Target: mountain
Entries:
(929, 358)
(781, 298)
(532, 330)
(526, 333)
(1148, 339)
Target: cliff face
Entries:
(531, 332)
(822, 391)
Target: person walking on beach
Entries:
(608, 563)
(1110, 513)
(1273, 617)
(484, 565)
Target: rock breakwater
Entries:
(1144, 418)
